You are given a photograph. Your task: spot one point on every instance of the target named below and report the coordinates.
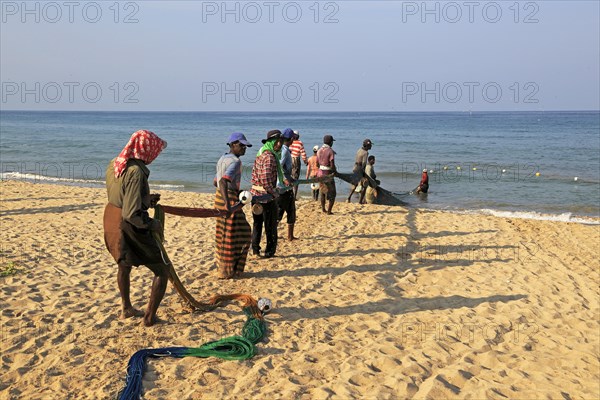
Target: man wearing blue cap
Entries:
(287, 200)
(233, 234)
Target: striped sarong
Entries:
(296, 165)
(233, 238)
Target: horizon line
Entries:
(307, 111)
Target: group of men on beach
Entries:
(275, 175)
(128, 228)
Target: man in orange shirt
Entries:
(311, 172)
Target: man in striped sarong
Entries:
(298, 155)
(233, 234)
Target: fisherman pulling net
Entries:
(384, 197)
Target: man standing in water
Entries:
(424, 184)
(128, 227)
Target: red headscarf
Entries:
(143, 145)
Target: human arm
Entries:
(223, 183)
(154, 198)
(303, 154)
(332, 162)
(136, 203)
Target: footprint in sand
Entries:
(210, 376)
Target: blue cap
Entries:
(238, 137)
(288, 134)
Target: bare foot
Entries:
(329, 213)
(149, 321)
(131, 312)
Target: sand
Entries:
(372, 302)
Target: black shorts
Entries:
(287, 204)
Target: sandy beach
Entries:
(373, 302)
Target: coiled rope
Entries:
(230, 348)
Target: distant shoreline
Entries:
(519, 214)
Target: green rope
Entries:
(254, 329)
(229, 348)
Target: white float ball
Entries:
(245, 197)
(264, 305)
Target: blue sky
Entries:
(301, 56)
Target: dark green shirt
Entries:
(130, 192)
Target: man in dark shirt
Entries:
(360, 164)
(287, 200)
(127, 225)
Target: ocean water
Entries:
(531, 164)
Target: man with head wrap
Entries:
(127, 224)
(265, 173)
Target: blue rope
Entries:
(230, 348)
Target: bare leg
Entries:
(127, 310)
(323, 202)
(159, 286)
(352, 189)
(362, 196)
(330, 207)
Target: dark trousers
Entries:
(287, 204)
(315, 194)
(269, 219)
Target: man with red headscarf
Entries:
(127, 225)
